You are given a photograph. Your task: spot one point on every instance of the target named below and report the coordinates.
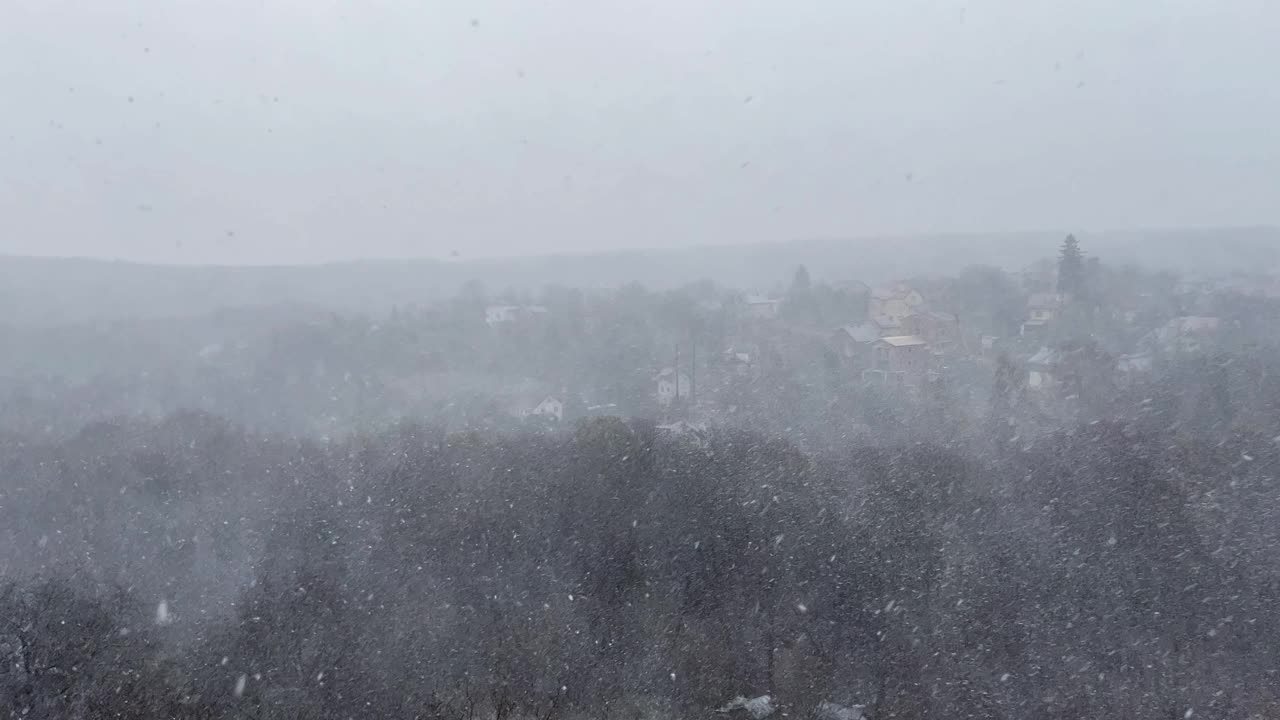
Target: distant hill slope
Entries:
(44, 290)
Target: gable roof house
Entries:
(738, 361)
(499, 314)
(852, 341)
(1134, 365)
(895, 302)
(762, 308)
(697, 434)
(940, 330)
(899, 360)
(550, 407)
(1187, 334)
(496, 315)
(672, 385)
(1042, 309)
(1044, 369)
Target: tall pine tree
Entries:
(1071, 268)
(800, 306)
(800, 282)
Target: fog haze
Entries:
(283, 132)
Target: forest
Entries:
(190, 569)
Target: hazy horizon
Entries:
(293, 133)
(1100, 241)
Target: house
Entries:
(695, 433)
(899, 360)
(738, 362)
(1185, 334)
(1042, 309)
(551, 408)
(501, 314)
(1135, 364)
(831, 711)
(887, 325)
(603, 410)
(762, 308)
(895, 302)
(1044, 369)
(496, 315)
(853, 341)
(940, 330)
(757, 708)
(672, 385)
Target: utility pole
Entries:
(677, 373)
(693, 373)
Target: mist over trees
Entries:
(1047, 492)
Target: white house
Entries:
(496, 315)
(672, 385)
(696, 433)
(886, 325)
(1044, 369)
(762, 308)
(738, 362)
(1186, 334)
(500, 314)
(1042, 308)
(1139, 363)
(550, 407)
(895, 302)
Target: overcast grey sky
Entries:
(307, 130)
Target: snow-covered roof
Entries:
(891, 292)
(863, 332)
(1045, 356)
(758, 707)
(681, 427)
(1044, 301)
(905, 340)
(832, 711)
(1188, 325)
(1191, 324)
(884, 321)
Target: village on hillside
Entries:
(819, 358)
(1047, 331)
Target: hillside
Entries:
(52, 290)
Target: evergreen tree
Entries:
(1071, 268)
(801, 281)
(800, 305)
